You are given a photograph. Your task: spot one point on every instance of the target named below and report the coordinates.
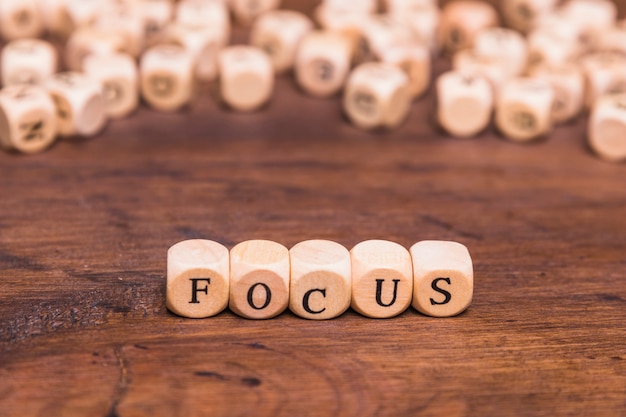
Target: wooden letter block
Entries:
(521, 15)
(320, 280)
(503, 44)
(604, 74)
(202, 43)
(88, 40)
(118, 75)
(20, 19)
(464, 103)
(493, 70)
(545, 47)
(462, 20)
(28, 61)
(592, 16)
(209, 15)
(79, 104)
(362, 7)
(246, 11)
(382, 278)
(568, 83)
(377, 95)
(246, 77)
(422, 18)
(279, 33)
(379, 33)
(323, 63)
(127, 25)
(156, 15)
(524, 109)
(415, 61)
(259, 279)
(27, 118)
(443, 278)
(607, 128)
(198, 274)
(166, 77)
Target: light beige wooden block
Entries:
(79, 104)
(27, 61)
(202, 43)
(593, 16)
(407, 6)
(88, 40)
(259, 279)
(127, 25)
(166, 77)
(344, 22)
(377, 95)
(382, 278)
(323, 63)
(546, 47)
(492, 69)
(561, 26)
(84, 13)
(380, 33)
(362, 7)
(503, 44)
(54, 17)
(117, 73)
(156, 15)
(415, 61)
(607, 128)
(246, 11)
(321, 284)
(20, 19)
(423, 21)
(27, 118)
(246, 77)
(206, 15)
(443, 278)
(461, 20)
(198, 278)
(524, 109)
(522, 15)
(279, 33)
(464, 103)
(568, 83)
(604, 74)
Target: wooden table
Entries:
(84, 230)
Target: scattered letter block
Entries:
(443, 278)
(382, 278)
(27, 118)
(377, 95)
(461, 21)
(79, 104)
(246, 77)
(28, 61)
(198, 274)
(464, 103)
(607, 128)
(20, 19)
(568, 83)
(320, 279)
(259, 279)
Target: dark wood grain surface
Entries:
(84, 230)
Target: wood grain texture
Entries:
(85, 227)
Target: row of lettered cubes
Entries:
(318, 279)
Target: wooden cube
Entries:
(546, 47)
(127, 25)
(120, 85)
(198, 273)
(464, 103)
(607, 128)
(380, 33)
(558, 24)
(494, 70)
(408, 6)
(79, 104)
(246, 77)
(202, 43)
(166, 77)
(521, 15)
(88, 40)
(20, 19)
(156, 15)
(382, 278)
(259, 279)
(415, 61)
(377, 95)
(279, 33)
(593, 16)
(612, 40)
(27, 119)
(362, 7)
(323, 63)
(568, 83)
(55, 18)
(422, 19)
(246, 11)
(209, 15)
(321, 284)
(345, 22)
(27, 61)
(524, 109)
(443, 277)
(604, 74)
(503, 44)
(461, 21)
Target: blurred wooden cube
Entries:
(522, 15)
(415, 61)
(20, 19)
(503, 44)
(27, 61)
(246, 11)
(607, 128)
(605, 73)
(461, 20)
(568, 83)
(89, 40)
